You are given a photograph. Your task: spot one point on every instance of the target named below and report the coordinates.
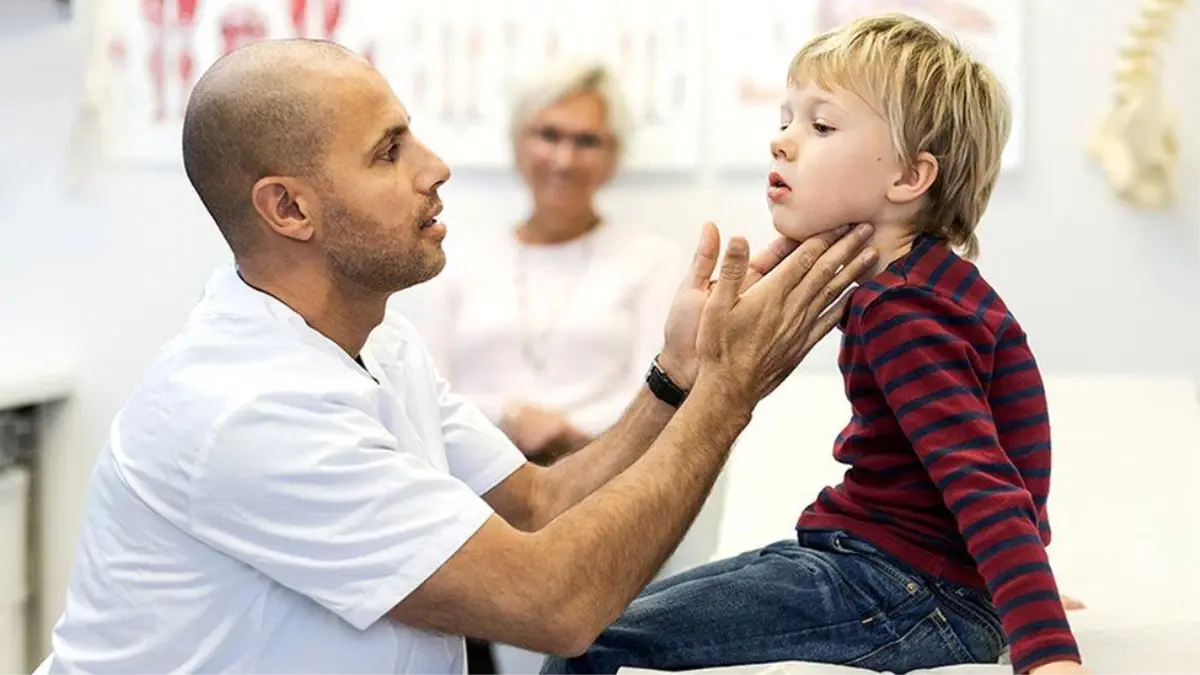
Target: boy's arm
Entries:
(925, 353)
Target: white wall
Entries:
(102, 278)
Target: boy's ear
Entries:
(914, 181)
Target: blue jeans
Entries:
(826, 597)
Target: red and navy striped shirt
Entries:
(949, 443)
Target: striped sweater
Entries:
(949, 443)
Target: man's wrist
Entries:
(675, 369)
(663, 387)
(725, 401)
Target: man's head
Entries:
(888, 121)
(301, 153)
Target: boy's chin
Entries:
(798, 230)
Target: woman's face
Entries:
(567, 152)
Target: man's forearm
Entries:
(571, 479)
(610, 545)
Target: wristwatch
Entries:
(661, 386)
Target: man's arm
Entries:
(533, 496)
(555, 589)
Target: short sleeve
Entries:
(317, 495)
(477, 452)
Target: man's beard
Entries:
(355, 253)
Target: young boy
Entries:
(932, 550)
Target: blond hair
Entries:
(567, 77)
(935, 97)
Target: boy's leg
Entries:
(821, 602)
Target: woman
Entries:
(548, 326)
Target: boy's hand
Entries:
(1058, 668)
(1071, 604)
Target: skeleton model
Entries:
(1135, 143)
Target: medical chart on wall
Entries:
(458, 66)
(155, 50)
(455, 65)
(756, 40)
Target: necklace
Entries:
(533, 340)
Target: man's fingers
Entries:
(815, 264)
(705, 259)
(766, 260)
(825, 323)
(831, 285)
(733, 271)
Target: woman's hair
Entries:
(566, 78)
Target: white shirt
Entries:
(262, 502)
(592, 309)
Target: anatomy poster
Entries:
(758, 38)
(157, 49)
(457, 66)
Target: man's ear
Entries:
(915, 181)
(286, 205)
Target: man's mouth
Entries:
(432, 219)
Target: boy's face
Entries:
(833, 163)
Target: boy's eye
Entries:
(821, 129)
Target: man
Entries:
(292, 488)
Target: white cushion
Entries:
(1126, 454)
(797, 668)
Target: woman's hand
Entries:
(539, 433)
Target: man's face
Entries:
(379, 198)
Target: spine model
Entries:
(1136, 143)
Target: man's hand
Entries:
(1058, 668)
(753, 340)
(679, 352)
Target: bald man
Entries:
(293, 488)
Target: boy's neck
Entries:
(893, 241)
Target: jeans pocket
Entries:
(973, 617)
(930, 643)
(888, 579)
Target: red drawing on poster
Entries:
(240, 26)
(169, 30)
(329, 19)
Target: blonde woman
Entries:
(548, 324)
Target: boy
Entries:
(932, 550)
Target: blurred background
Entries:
(105, 248)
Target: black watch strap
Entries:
(667, 391)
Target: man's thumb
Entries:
(733, 271)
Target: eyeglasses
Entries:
(582, 141)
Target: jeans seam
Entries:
(886, 566)
(952, 639)
(976, 615)
(663, 652)
(942, 626)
